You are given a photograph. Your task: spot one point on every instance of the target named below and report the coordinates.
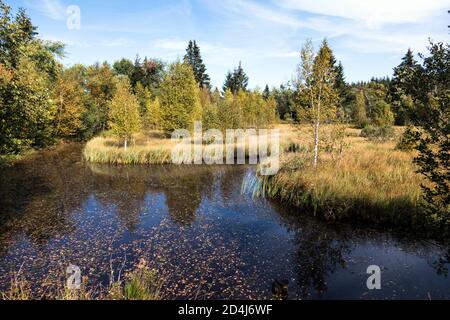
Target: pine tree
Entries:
(124, 67)
(238, 80)
(193, 57)
(403, 86)
(124, 118)
(266, 92)
(179, 97)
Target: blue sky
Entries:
(369, 37)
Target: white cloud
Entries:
(373, 12)
(119, 42)
(170, 44)
(53, 9)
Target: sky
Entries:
(369, 37)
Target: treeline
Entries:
(418, 96)
(43, 102)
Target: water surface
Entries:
(193, 224)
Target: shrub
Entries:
(378, 134)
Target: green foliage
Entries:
(409, 140)
(179, 98)
(236, 80)
(124, 67)
(431, 114)
(101, 85)
(193, 58)
(382, 114)
(153, 114)
(150, 73)
(285, 100)
(378, 134)
(317, 89)
(359, 113)
(28, 66)
(124, 111)
(142, 285)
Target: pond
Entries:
(206, 238)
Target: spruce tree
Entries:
(403, 86)
(238, 80)
(193, 57)
(266, 92)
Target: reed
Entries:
(368, 182)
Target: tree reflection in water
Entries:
(55, 209)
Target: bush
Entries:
(379, 134)
(409, 140)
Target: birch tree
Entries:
(317, 87)
(124, 112)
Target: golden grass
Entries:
(148, 147)
(370, 182)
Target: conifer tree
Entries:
(266, 92)
(238, 80)
(193, 57)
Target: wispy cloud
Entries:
(118, 42)
(54, 9)
(372, 12)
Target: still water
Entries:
(194, 225)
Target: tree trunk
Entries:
(316, 131)
(126, 143)
(316, 142)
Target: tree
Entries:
(101, 85)
(28, 68)
(69, 107)
(432, 116)
(179, 97)
(193, 58)
(153, 114)
(236, 81)
(124, 118)
(123, 67)
(285, 101)
(317, 85)
(404, 86)
(144, 97)
(359, 113)
(266, 92)
(149, 73)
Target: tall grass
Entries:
(143, 283)
(370, 182)
(151, 147)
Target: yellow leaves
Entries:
(124, 110)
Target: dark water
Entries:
(193, 224)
